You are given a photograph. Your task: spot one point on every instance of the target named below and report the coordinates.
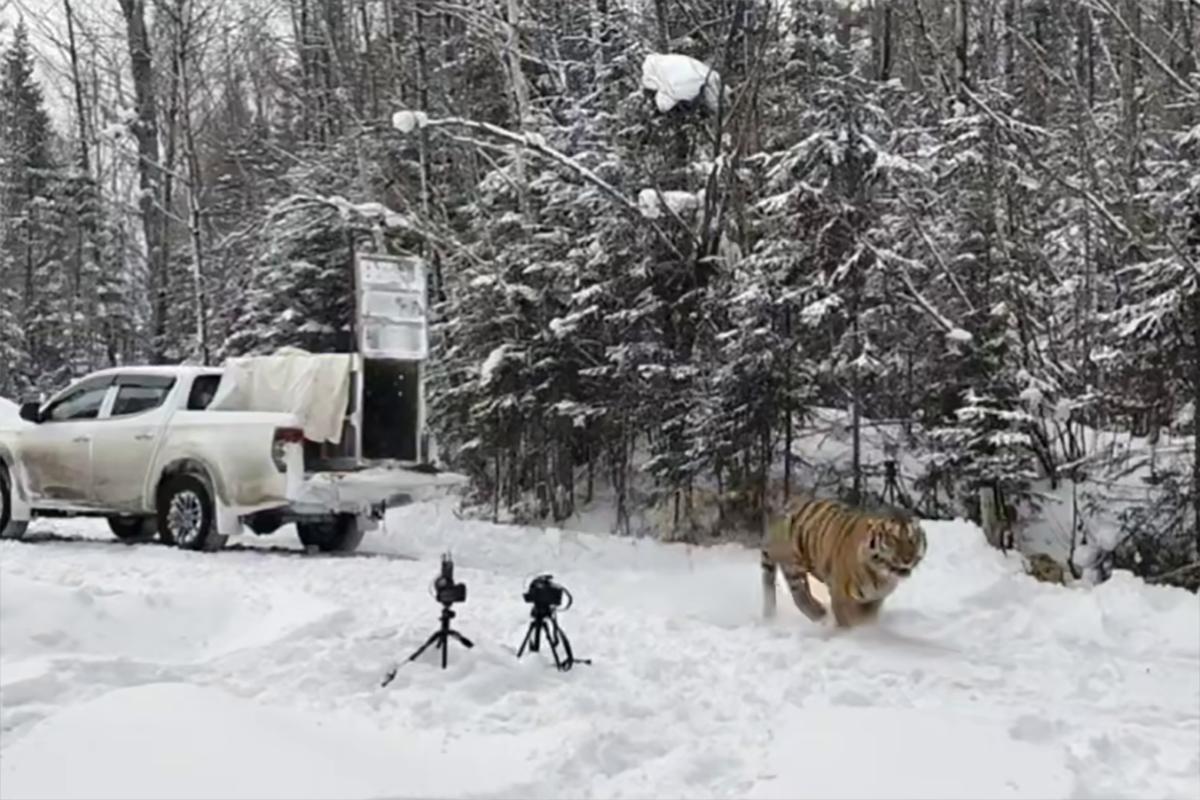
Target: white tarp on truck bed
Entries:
(313, 386)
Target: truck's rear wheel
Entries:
(134, 530)
(9, 528)
(341, 533)
(186, 514)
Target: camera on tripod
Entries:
(446, 590)
(447, 593)
(544, 593)
(546, 596)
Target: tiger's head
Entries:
(896, 544)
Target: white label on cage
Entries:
(400, 273)
(396, 306)
(391, 309)
(394, 339)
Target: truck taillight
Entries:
(295, 435)
(284, 436)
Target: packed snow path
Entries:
(144, 671)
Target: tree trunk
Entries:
(1131, 68)
(962, 40)
(179, 44)
(81, 116)
(520, 99)
(989, 516)
(881, 41)
(149, 169)
(664, 26)
(787, 399)
(437, 290)
(1195, 304)
(1010, 49)
(194, 189)
(85, 238)
(601, 34)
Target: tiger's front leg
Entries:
(844, 611)
(849, 612)
(797, 581)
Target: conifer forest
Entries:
(971, 227)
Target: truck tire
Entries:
(133, 530)
(9, 528)
(341, 533)
(186, 514)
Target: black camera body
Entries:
(544, 593)
(447, 591)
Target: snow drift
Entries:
(220, 745)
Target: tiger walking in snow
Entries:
(861, 556)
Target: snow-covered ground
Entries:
(144, 671)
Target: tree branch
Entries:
(536, 144)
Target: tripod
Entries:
(442, 637)
(554, 634)
(892, 491)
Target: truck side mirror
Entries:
(29, 411)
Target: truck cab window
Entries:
(136, 399)
(204, 388)
(83, 403)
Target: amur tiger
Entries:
(860, 556)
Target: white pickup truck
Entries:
(142, 447)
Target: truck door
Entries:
(126, 439)
(57, 452)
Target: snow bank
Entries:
(192, 742)
(39, 619)
(676, 78)
(906, 754)
(200, 742)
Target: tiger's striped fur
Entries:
(861, 557)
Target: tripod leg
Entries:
(391, 675)
(424, 647)
(445, 645)
(525, 641)
(552, 636)
(465, 641)
(571, 660)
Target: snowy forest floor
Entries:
(823, 463)
(145, 671)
